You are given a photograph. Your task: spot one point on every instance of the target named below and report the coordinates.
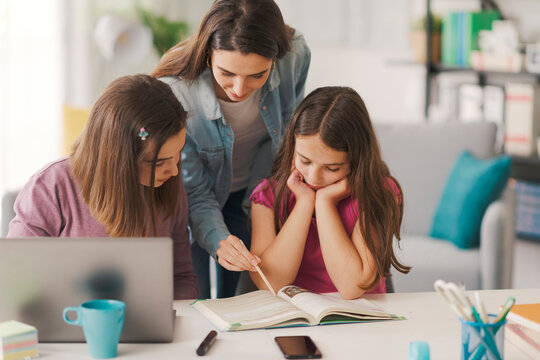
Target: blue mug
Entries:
(102, 322)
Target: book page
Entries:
(257, 309)
(321, 305)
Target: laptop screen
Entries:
(40, 276)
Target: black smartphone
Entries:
(298, 347)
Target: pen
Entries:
(480, 307)
(505, 309)
(265, 280)
(207, 343)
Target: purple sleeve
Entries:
(263, 194)
(185, 286)
(37, 210)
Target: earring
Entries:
(273, 64)
(208, 61)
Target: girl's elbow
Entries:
(351, 292)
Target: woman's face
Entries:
(319, 164)
(237, 75)
(166, 163)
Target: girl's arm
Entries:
(348, 260)
(281, 254)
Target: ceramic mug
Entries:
(102, 322)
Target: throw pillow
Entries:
(473, 184)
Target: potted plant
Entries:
(418, 38)
(166, 33)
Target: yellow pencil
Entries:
(265, 279)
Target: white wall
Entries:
(49, 58)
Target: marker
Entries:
(207, 343)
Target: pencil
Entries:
(265, 279)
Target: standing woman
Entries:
(240, 77)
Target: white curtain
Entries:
(31, 88)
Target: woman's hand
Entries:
(233, 255)
(300, 189)
(335, 192)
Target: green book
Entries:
(450, 39)
(474, 23)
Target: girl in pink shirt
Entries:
(122, 178)
(326, 218)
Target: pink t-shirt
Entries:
(312, 274)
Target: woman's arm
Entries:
(205, 217)
(348, 260)
(281, 255)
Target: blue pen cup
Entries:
(482, 341)
(102, 322)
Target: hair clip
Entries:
(143, 133)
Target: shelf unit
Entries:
(523, 168)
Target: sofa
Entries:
(421, 156)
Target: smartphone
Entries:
(298, 347)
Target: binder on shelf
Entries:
(522, 104)
(527, 210)
(471, 100)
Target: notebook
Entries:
(527, 315)
(40, 276)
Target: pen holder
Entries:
(481, 341)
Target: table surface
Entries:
(429, 319)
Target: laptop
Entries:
(40, 276)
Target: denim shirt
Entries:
(207, 155)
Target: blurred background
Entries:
(56, 56)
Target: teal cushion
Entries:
(473, 184)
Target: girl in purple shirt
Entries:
(122, 178)
(326, 219)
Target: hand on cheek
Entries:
(335, 192)
(299, 188)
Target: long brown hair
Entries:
(338, 115)
(105, 156)
(248, 26)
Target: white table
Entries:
(428, 319)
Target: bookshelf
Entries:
(523, 168)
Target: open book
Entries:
(292, 306)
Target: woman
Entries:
(240, 77)
(121, 179)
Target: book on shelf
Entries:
(460, 35)
(526, 340)
(526, 315)
(292, 306)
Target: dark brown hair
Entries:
(248, 26)
(105, 156)
(338, 115)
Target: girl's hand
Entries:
(233, 255)
(300, 189)
(335, 192)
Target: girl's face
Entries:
(319, 164)
(237, 75)
(166, 162)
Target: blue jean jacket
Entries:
(207, 156)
